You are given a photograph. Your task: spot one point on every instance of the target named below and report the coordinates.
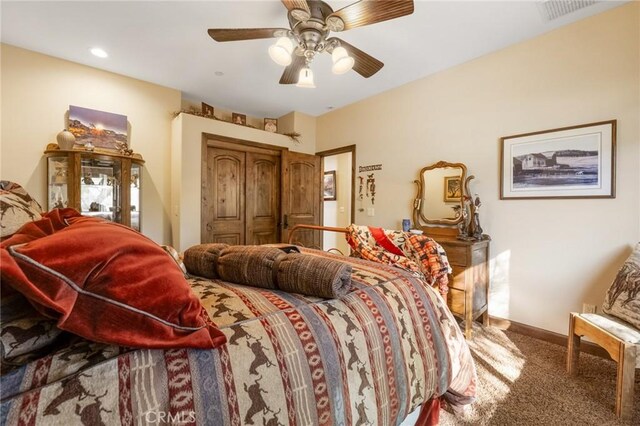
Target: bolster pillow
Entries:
(271, 268)
(201, 260)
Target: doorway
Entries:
(339, 195)
(254, 193)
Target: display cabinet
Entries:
(101, 184)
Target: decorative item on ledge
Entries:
(469, 228)
(207, 110)
(65, 139)
(294, 136)
(271, 125)
(237, 118)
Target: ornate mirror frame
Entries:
(419, 219)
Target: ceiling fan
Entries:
(311, 22)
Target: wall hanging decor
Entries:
(99, 129)
(330, 186)
(569, 162)
(371, 187)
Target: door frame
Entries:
(342, 150)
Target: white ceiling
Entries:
(167, 43)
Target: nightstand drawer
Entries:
(457, 255)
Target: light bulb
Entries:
(281, 51)
(305, 78)
(342, 62)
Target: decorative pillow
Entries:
(106, 283)
(16, 208)
(623, 298)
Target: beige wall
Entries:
(338, 212)
(36, 93)
(548, 256)
(186, 156)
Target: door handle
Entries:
(286, 222)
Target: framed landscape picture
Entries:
(452, 189)
(570, 162)
(104, 130)
(330, 186)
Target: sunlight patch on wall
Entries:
(499, 290)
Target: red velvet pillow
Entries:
(105, 282)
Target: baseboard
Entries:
(546, 335)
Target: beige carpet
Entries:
(522, 381)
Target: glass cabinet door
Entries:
(58, 182)
(100, 191)
(136, 184)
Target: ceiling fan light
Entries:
(280, 52)
(342, 62)
(305, 78)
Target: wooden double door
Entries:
(255, 195)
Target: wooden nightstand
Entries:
(468, 296)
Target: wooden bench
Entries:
(620, 340)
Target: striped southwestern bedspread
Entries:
(369, 358)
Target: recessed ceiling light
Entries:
(100, 53)
(218, 73)
(329, 107)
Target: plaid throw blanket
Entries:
(416, 253)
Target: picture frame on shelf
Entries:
(98, 129)
(207, 110)
(271, 125)
(568, 162)
(240, 119)
(329, 186)
(452, 189)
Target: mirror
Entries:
(441, 190)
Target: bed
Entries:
(368, 358)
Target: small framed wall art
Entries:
(271, 125)
(329, 186)
(452, 189)
(239, 119)
(569, 162)
(207, 110)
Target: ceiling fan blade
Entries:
(367, 12)
(365, 64)
(296, 4)
(292, 72)
(235, 34)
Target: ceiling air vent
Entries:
(553, 9)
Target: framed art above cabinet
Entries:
(99, 184)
